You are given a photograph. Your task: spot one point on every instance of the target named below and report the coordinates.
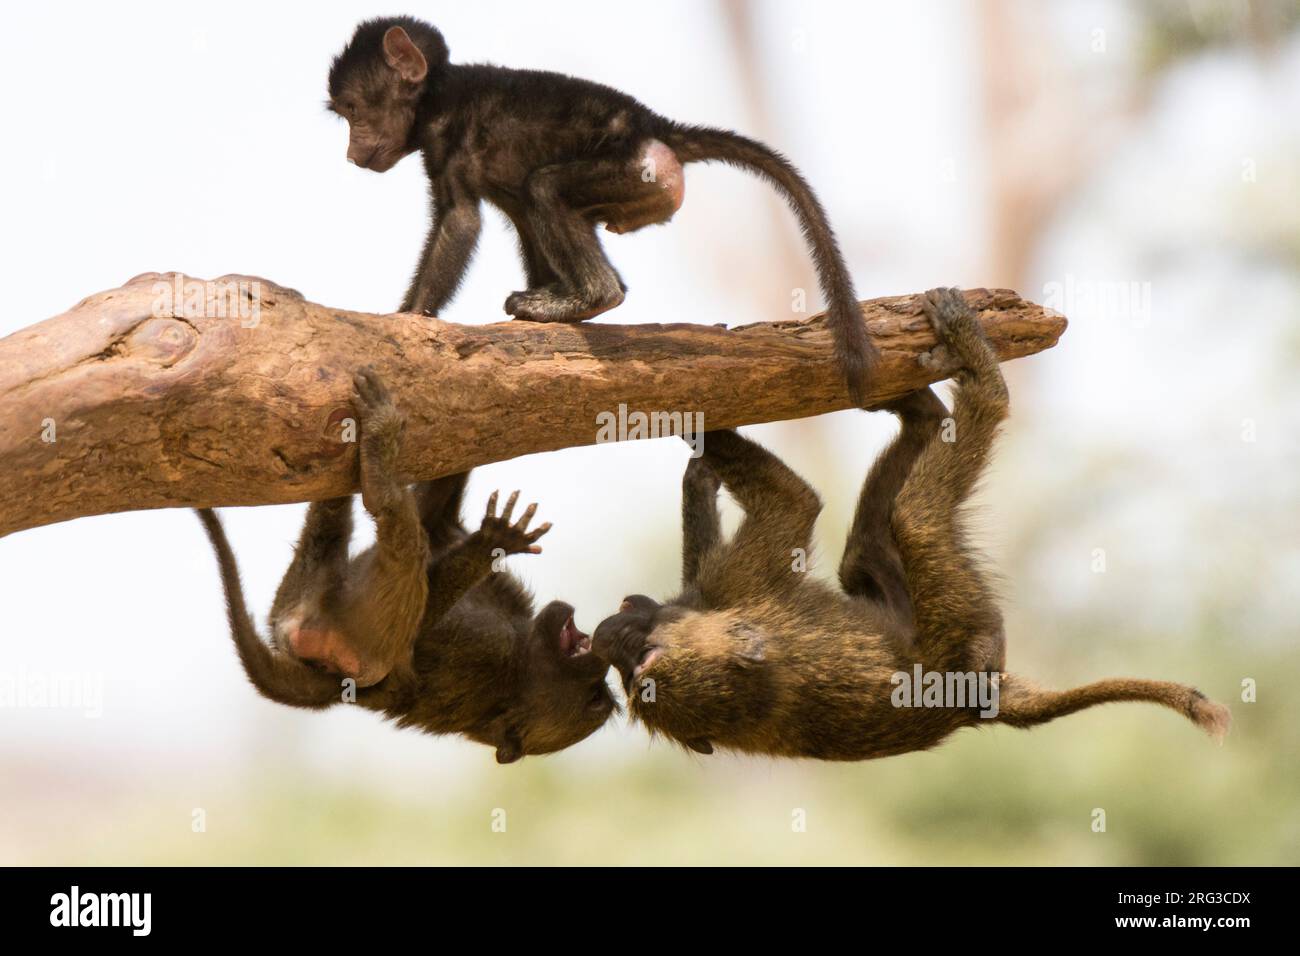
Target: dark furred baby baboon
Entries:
(758, 658)
(431, 635)
(558, 155)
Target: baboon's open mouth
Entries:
(572, 641)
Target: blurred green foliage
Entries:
(989, 796)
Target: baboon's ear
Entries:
(509, 747)
(401, 53)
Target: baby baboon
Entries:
(430, 635)
(558, 155)
(756, 657)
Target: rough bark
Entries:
(158, 400)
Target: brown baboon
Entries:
(755, 657)
(421, 627)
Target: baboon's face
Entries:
(377, 94)
(623, 639)
(380, 111)
(563, 698)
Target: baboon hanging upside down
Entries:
(757, 657)
(425, 627)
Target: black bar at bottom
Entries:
(659, 907)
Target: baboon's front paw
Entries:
(498, 533)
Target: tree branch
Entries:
(174, 392)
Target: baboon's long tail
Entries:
(1021, 704)
(854, 350)
(282, 680)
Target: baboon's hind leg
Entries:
(701, 523)
(320, 558)
(957, 622)
(585, 283)
(871, 567)
(439, 502)
(780, 510)
(388, 597)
